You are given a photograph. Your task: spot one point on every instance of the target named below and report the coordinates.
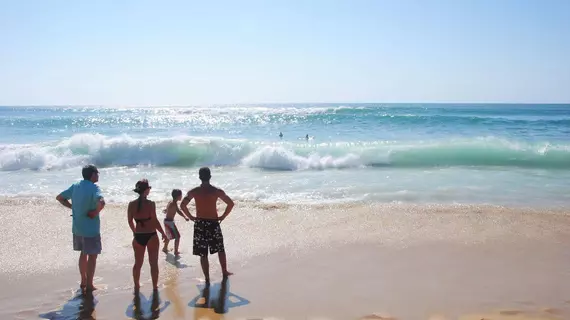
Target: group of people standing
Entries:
(87, 202)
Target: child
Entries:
(169, 226)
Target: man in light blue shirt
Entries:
(86, 203)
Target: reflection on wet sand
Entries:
(215, 300)
(173, 294)
(146, 309)
(80, 306)
(174, 260)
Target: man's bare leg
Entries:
(205, 268)
(83, 270)
(222, 257)
(91, 264)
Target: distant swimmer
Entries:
(281, 135)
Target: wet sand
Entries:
(293, 262)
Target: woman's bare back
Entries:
(144, 215)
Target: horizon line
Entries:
(268, 103)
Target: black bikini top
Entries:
(142, 221)
(138, 208)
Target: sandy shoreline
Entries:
(327, 262)
(421, 282)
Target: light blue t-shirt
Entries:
(84, 196)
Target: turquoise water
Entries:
(432, 153)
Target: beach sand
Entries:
(382, 261)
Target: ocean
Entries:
(503, 154)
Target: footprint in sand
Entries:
(552, 311)
(377, 317)
(526, 303)
(510, 312)
(27, 313)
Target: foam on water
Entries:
(188, 151)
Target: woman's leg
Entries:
(139, 259)
(152, 248)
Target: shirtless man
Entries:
(169, 226)
(207, 231)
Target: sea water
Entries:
(505, 154)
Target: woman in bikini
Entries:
(143, 223)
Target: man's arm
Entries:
(184, 205)
(229, 204)
(64, 197)
(63, 201)
(99, 205)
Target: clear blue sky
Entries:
(109, 52)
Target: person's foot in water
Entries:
(90, 288)
(155, 304)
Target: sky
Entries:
(142, 53)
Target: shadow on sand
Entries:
(215, 300)
(173, 260)
(81, 306)
(146, 309)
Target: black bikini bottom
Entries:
(143, 238)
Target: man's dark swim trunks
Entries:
(207, 234)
